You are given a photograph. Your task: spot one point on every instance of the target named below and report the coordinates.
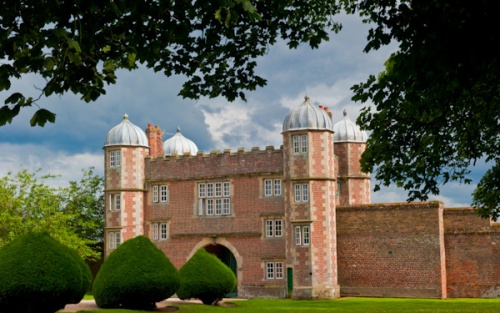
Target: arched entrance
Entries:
(227, 257)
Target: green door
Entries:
(230, 261)
(289, 280)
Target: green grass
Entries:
(88, 296)
(347, 305)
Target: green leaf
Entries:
(218, 15)
(41, 117)
(228, 19)
(49, 63)
(106, 48)
(131, 59)
(14, 98)
(7, 114)
(73, 44)
(75, 57)
(4, 79)
(109, 66)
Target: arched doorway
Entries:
(227, 257)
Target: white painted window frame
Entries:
(163, 193)
(155, 193)
(163, 231)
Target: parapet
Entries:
(219, 153)
(216, 163)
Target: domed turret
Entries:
(307, 116)
(126, 134)
(347, 131)
(179, 145)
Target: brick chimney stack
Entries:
(155, 139)
(325, 108)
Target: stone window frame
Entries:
(115, 201)
(301, 192)
(163, 193)
(274, 270)
(277, 187)
(160, 231)
(302, 235)
(271, 228)
(214, 199)
(115, 158)
(272, 187)
(268, 187)
(114, 239)
(155, 231)
(163, 231)
(299, 144)
(155, 193)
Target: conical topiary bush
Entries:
(136, 276)
(39, 274)
(205, 277)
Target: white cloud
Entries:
(226, 121)
(68, 167)
(453, 195)
(232, 126)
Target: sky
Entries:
(326, 74)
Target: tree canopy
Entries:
(77, 46)
(72, 215)
(436, 105)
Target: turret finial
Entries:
(178, 129)
(125, 116)
(345, 112)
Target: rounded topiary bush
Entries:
(39, 274)
(136, 275)
(205, 277)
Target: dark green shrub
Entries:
(136, 276)
(39, 274)
(205, 277)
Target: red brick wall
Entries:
(243, 230)
(215, 164)
(252, 253)
(472, 255)
(391, 250)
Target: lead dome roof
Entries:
(347, 131)
(126, 134)
(178, 144)
(307, 116)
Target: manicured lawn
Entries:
(347, 305)
(88, 297)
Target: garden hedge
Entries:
(39, 274)
(205, 277)
(135, 276)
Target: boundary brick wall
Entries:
(391, 250)
(472, 255)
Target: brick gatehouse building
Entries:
(295, 221)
